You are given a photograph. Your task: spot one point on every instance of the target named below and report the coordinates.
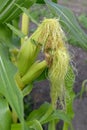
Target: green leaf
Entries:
(5, 115)
(5, 34)
(42, 113)
(55, 1)
(69, 95)
(26, 11)
(58, 114)
(16, 31)
(8, 87)
(84, 88)
(35, 124)
(7, 14)
(40, 1)
(3, 4)
(32, 125)
(16, 127)
(83, 20)
(75, 34)
(43, 76)
(27, 89)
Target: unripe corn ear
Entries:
(31, 47)
(50, 35)
(19, 81)
(24, 26)
(26, 56)
(34, 72)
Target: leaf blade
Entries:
(8, 86)
(5, 115)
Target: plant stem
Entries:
(14, 116)
(25, 26)
(83, 88)
(52, 125)
(65, 126)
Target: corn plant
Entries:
(19, 67)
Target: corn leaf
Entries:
(69, 95)
(39, 113)
(16, 31)
(35, 124)
(60, 115)
(3, 4)
(83, 20)
(5, 115)
(16, 127)
(27, 89)
(26, 11)
(43, 76)
(5, 34)
(8, 10)
(32, 125)
(8, 86)
(55, 1)
(40, 1)
(75, 34)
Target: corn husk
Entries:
(34, 72)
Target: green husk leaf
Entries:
(70, 95)
(27, 89)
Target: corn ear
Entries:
(24, 26)
(30, 49)
(19, 81)
(26, 56)
(50, 35)
(34, 71)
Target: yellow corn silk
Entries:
(58, 58)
